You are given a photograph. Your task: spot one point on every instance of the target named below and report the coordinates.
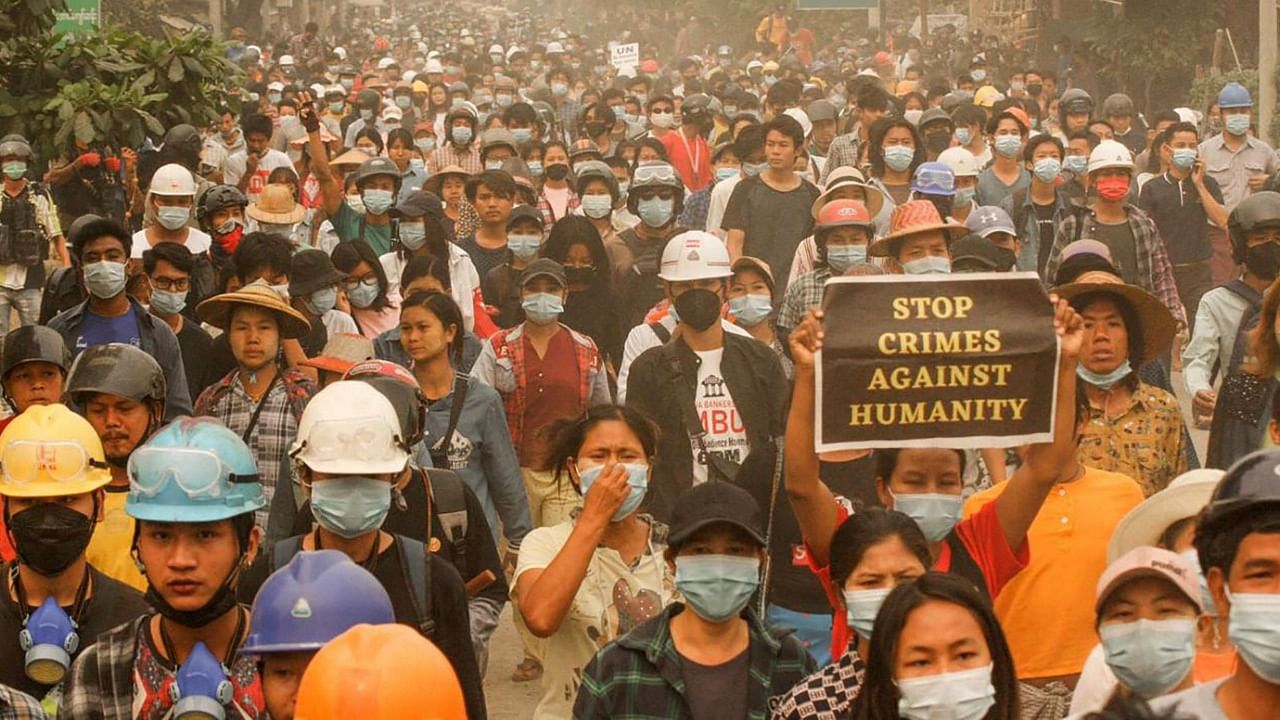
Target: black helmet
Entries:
(377, 166)
(184, 139)
(1253, 482)
(216, 198)
(117, 369)
(695, 104)
(15, 145)
(1259, 210)
(369, 99)
(34, 343)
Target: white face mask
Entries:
(963, 695)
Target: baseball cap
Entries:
(525, 212)
(1148, 561)
(746, 262)
(711, 503)
(976, 253)
(543, 267)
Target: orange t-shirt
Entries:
(1068, 544)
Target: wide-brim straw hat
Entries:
(217, 310)
(276, 206)
(915, 218)
(1157, 324)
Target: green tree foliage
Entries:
(1151, 47)
(114, 86)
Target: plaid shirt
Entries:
(804, 293)
(103, 679)
(448, 154)
(502, 366)
(825, 695)
(568, 113)
(638, 675)
(16, 705)
(694, 214)
(845, 151)
(1154, 272)
(548, 215)
(277, 424)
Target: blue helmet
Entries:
(316, 597)
(193, 470)
(1234, 95)
(934, 178)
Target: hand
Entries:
(307, 113)
(251, 162)
(1069, 326)
(606, 495)
(1257, 181)
(130, 156)
(89, 159)
(806, 339)
(1197, 174)
(1204, 401)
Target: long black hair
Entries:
(879, 697)
(568, 435)
(447, 312)
(881, 128)
(867, 528)
(577, 230)
(347, 255)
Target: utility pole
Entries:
(1266, 67)
(215, 17)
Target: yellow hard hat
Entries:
(49, 451)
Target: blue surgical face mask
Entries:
(1184, 158)
(350, 506)
(1008, 145)
(1150, 656)
(754, 169)
(104, 279)
(524, 247)
(655, 212)
(425, 144)
(964, 196)
(637, 482)
(377, 202)
(963, 695)
(542, 308)
(535, 168)
(964, 136)
(366, 114)
(363, 294)
(461, 135)
(717, 587)
(323, 300)
(15, 169)
(1075, 164)
(417, 165)
(935, 513)
(899, 157)
(1047, 169)
(173, 218)
(337, 106)
(413, 235)
(751, 310)
(724, 173)
(403, 102)
(1254, 628)
(168, 303)
(522, 135)
(597, 207)
(861, 608)
(930, 265)
(1206, 597)
(356, 203)
(843, 257)
(1104, 381)
(1237, 124)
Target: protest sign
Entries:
(624, 55)
(963, 361)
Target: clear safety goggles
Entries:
(655, 173)
(198, 473)
(30, 461)
(941, 180)
(367, 439)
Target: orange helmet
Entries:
(363, 673)
(838, 213)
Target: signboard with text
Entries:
(963, 361)
(624, 55)
(80, 16)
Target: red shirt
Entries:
(690, 158)
(551, 392)
(982, 537)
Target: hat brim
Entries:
(329, 364)
(1158, 325)
(1134, 574)
(882, 247)
(436, 182)
(217, 312)
(306, 287)
(1144, 524)
(874, 198)
(678, 537)
(289, 218)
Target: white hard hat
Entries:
(407, 75)
(961, 161)
(349, 428)
(317, 89)
(799, 116)
(434, 66)
(286, 60)
(275, 85)
(172, 179)
(1186, 114)
(513, 50)
(341, 52)
(695, 255)
(1110, 154)
(385, 63)
(495, 49)
(554, 47)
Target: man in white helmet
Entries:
(720, 396)
(171, 197)
(1137, 249)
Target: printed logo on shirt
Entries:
(460, 449)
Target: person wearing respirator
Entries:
(172, 196)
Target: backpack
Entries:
(448, 496)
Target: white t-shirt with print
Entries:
(726, 433)
(197, 242)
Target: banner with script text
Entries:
(960, 361)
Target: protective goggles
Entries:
(656, 173)
(197, 473)
(30, 461)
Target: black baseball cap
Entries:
(974, 253)
(544, 266)
(715, 502)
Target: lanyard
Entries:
(236, 640)
(82, 594)
(692, 154)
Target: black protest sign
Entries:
(962, 361)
